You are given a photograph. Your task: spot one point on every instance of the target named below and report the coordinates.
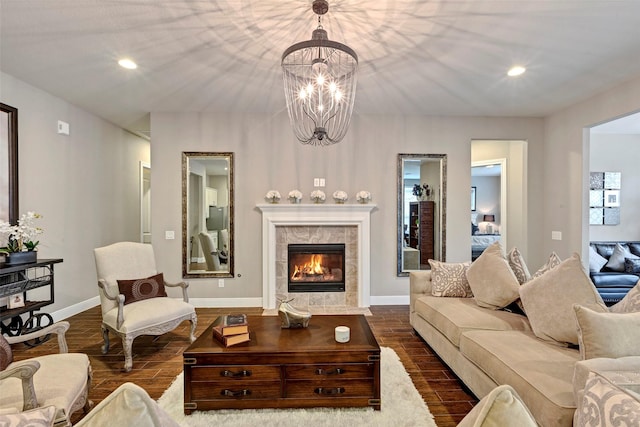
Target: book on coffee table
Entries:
(231, 324)
(230, 340)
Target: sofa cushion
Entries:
(147, 313)
(541, 372)
(501, 407)
(630, 303)
(449, 279)
(604, 334)
(453, 316)
(596, 261)
(491, 279)
(605, 404)
(616, 260)
(548, 300)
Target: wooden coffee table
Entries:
(285, 368)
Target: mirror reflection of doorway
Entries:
(145, 202)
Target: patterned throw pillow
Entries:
(630, 303)
(140, 289)
(450, 279)
(605, 404)
(631, 265)
(553, 261)
(6, 355)
(519, 267)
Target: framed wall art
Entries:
(604, 198)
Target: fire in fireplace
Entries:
(316, 267)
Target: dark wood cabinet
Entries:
(422, 229)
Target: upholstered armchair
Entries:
(210, 253)
(133, 297)
(51, 386)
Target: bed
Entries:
(480, 242)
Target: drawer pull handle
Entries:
(333, 371)
(329, 391)
(231, 374)
(238, 393)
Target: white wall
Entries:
(618, 153)
(269, 157)
(85, 185)
(566, 165)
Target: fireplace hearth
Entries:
(316, 267)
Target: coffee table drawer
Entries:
(236, 372)
(235, 390)
(304, 389)
(358, 370)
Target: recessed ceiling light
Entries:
(516, 71)
(128, 64)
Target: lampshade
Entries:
(320, 85)
(489, 218)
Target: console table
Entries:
(20, 280)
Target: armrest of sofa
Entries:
(419, 285)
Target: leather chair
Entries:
(38, 385)
(151, 316)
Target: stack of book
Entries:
(231, 329)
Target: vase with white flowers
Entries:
(273, 196)
(318, 196)
(21, 247)
(295, 196)
(363, 196)
(340, 196)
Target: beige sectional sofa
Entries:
(487, 348)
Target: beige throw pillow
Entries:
(449, 279)
(548, 300)
(604, 334)
(501, 407)
(491, 279)
(630, 303)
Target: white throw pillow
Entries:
(596, 261)
(548, 300)
(616, 260)
(493, 283)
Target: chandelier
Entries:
(320, 85)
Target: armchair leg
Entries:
(105, 337)
(127, 344)
(194, 323)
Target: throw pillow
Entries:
(474, 229)
(548, 300)
(604, 334)
(501, 407)
(519, 267)
(596, 261)
(631, 265)
(616, 260)
(6, 355)
(44, 416)
(491, 279)
(630, 303)
(449, 279)
(553, 261)
(605, 404)
(140, 289)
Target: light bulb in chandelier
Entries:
(320, 78)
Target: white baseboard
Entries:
(390, 300)
(226, 302)
(74, 309)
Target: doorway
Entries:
(145, 202)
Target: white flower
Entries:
(21, 236)
(273, 195)
(363, 196)
(340, 195)
(295, 194)
(318, 195)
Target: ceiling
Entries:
(438, 57)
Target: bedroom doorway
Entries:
(498, 173)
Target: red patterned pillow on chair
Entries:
(140, 289)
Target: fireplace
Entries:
(316, 267)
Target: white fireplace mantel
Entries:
(278, 215)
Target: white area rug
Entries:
(402, 405)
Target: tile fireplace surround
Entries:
(325, 223)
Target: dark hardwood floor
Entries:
(156, 362)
